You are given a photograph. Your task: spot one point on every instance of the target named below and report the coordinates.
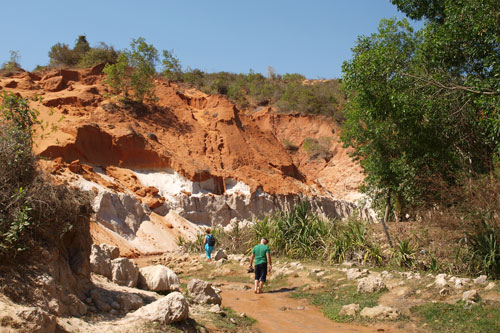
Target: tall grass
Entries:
(298, 233)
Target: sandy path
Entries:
(265, 308)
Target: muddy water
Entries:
(267, 309)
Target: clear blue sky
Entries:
(311, 37)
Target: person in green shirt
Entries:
(262, 256)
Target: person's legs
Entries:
(208, 252)
(263, 276)
(258, 277)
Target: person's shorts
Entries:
(261, 272)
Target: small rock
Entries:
(220, 255)
(444, 292)
(371, 284)
(380, 312)
(215, 309)
(356, 273)
(320, 274)
(440, 281)
(232, 320)
(115, 305)
(490, 286)
(300, 307)
(471, 296)
(114, 312)
(349, 310)
(203, 292)
(481, 279)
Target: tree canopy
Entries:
(423, 106)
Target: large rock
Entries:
(220, 255)
(371, 284)
(124, 272)
(56, 83)
(349, 310)
(38, 320)
(100, 261)
(113, 251)
(203, 292)
(169, 309)
(158, 278)
(380, 312)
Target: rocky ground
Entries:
(177, 291)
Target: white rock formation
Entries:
(349, 310)
(380, 312)
(124, 272)
(158, 278)
(169, 309)
(203, 292)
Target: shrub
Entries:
(32, 210)
(13, 63)
(172, 69)
(317, 148)
(61, 54)
(134, 70)
(102, 54)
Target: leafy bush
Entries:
(102, 54)
(134, 70)
(61, 54)
(317, 148)
(172, 66)
(13, 63)
(32, 210)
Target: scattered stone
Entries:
(356, 273)
(490, 286)
(215, 309)
(380, 312)
(471, 296)
(300, 307)
(124, 272)
(203, 292)
(320, 274)
(158, 278)
(232, 320)
(129, 302)
(296, 265)
(460, 282)
(371, 284)
(169, 309)
(115, 305)
(349, 310)
(444, 292)
(482, 279)
(316, 270)
(440, 281)
(220, 255)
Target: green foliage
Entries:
(32, 210)
(443, 317)
(485, 248)
(418, 115)
(81, 55)
(317, 148)
(134, 70)
(300, 233)
(13, 62)
(404, 253)
(102, 54)
(288, 92)
(172, 69)
(16, 110)
(61, 54)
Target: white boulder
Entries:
(169, 309)
(124, 272)
(158, 278)
(371, 284)
(380, 312)
(349, 310)
(203, 292)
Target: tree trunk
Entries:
(386, 216)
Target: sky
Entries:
(310, 37)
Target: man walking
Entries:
(262, 255)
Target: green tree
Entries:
(135, 71)
(13, 62)
(422, 104)
(81, 46)
(172, 69)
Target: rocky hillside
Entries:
(160, 171)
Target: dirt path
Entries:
(267, 309)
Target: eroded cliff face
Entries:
(160, 171)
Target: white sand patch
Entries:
(87, 185)
(234, 186)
